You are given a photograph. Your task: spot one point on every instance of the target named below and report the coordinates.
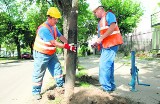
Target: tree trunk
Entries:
(71, 56)
(19, 51)
(18, 46)
(66, 15)
(0, 50)
(31, 46)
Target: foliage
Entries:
(128, 13)
(9, 45)
(81, 73)
(4, 19)
(83, 49)
(11, 23)
(59, 50)
(35, 16)
(86, 22)
(84, 84)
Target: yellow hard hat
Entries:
(54, 12)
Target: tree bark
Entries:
(69, 9)
(66, 15)
(18, 46)
(71, 56)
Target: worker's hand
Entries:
(94, 45)
(70, 47)
(99, 40)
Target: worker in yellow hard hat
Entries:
(53, 12)
(44, 52)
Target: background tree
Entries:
(14, 25)
(86, 22)
(4, 19)
(35, 16)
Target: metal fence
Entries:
(156, 39)
(137, 42)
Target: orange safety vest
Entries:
(113, 39)
(42, 46)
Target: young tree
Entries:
(70, 31)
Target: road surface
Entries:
(16, 82)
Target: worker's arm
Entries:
(63, 39)
(107, 33)
(57, 44)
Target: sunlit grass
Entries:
(81, 73)
(8, 58)
(80, 67)
(84, 84)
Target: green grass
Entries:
(80, 67)
(84, 84)
(81, 73)
(8, 58)
(127, 57)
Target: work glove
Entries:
(94, 45)
(70, 47)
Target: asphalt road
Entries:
(16, 82)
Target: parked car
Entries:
(26, 55)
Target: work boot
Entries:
(108, 91)
(37, 97)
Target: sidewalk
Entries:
(149, 73)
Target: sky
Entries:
(149, 7)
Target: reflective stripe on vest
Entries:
(113, 39)
(37, 83)
(58, 76)
(42, 46)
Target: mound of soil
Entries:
(84, 95)
(93, 95)
(90, 95)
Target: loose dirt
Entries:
(149, 73)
